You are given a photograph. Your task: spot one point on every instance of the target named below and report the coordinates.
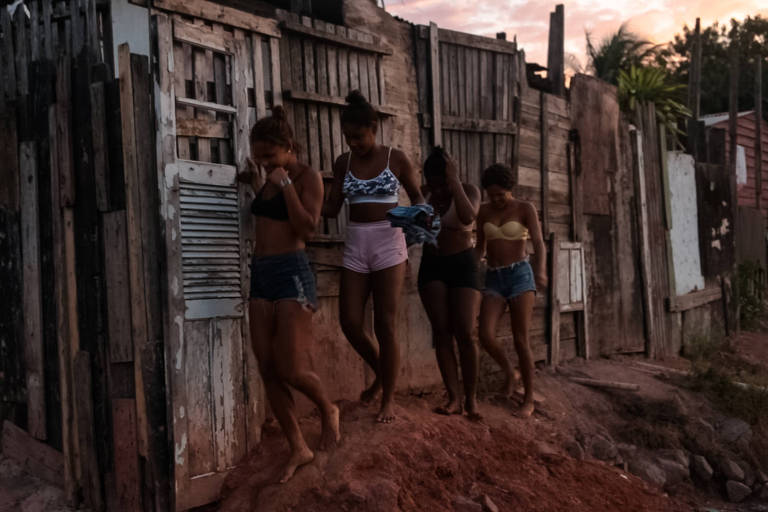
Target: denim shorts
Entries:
(510, 281)
(284, 277)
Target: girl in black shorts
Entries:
(449, 280)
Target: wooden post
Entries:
(556, 51)
(434, 66)
(694, 73)
(759, 131)
(544, 158)
(667, 193)
(33, 317)
(554, 302)
(133, 227)
(733, 103)
(645, 254)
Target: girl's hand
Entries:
(277, 176)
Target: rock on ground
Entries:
(700, 468)
(731, 470)
(737, 491)
(648, 471)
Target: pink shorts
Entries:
(373, 246)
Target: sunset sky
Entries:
(656, 20)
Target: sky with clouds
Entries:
(655, 20)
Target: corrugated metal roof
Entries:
(711, 119)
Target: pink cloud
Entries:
(656, 20)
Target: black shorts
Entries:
(284, 277)
(458, 270)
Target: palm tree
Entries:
(618, 51)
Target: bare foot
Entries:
(510, 383)
(527, 409)
(369, 394)
(452, 407)
(331, 434)
(297, 460)
(472, 414)
(386, 414)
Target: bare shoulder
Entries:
(528, 209)
(310, 177)
(398, 158)
(471, 190)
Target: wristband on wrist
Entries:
(285, 182)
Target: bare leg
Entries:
(355, 288)
(491, 309)
(464, 305)
(263, 328)
(434, 297)
(387, 289)
(291, 354)
(521, 310)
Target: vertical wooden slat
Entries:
(8, 61)
(645, 256)
(91, 478)
(133, 227)
(343, 63)
(759, 131)
(298, 77)
(325, 162)
(34, 31)
(228, 393)
(124, 434)
(117, 281)
(554, 300)
(434, 64)
(277, 88)
(694, 74)
(61, 167)
(47, 34)
(203, 73)
(100, 150)
(544, 161)
(555, 52)
(199, 414)
(21, 52)
(310, 77)
(33, 318)
(586, 351)
(333, 90)
(257, 65)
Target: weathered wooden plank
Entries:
(36, 458)
(205, 105)
(203, 66)
(21, 52)
(434, 65)
(100, 149)
(117, 282)
(182, 68)
(472, 41)
(221, 14)
(202, 36)
(7, 57)
(468, 124)
(556, 52)
(586, 349)
(133, 228)
(124, 441)
(293, 94)
(644, 236)
(275, 50)
(199, 414)
(544, 163)
(228, 393)
(554, 301)
(694, 299)
(33, 318)
(339, 39)
(202, 128)
(90, 475)
(758, 150)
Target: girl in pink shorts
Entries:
(369, 177)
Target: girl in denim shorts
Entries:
(504, 227)
(289, 196)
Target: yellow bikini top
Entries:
(511, 230)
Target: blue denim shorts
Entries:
(284, 277)
(510, 281)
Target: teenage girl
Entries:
(505, 224)
(369, 176)
(449, 280)
(283, 296)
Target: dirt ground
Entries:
(576, 453)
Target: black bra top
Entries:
(272, 208)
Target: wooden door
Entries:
(207, 96)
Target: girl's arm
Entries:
(303, 209)
(480, 236)
(540, 250)
(408, 177)
(335, 199)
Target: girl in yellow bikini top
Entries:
(511, 230)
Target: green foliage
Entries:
(749, 404)
(750, 290)
(618, 51)
(751, 37)
(650, 84)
